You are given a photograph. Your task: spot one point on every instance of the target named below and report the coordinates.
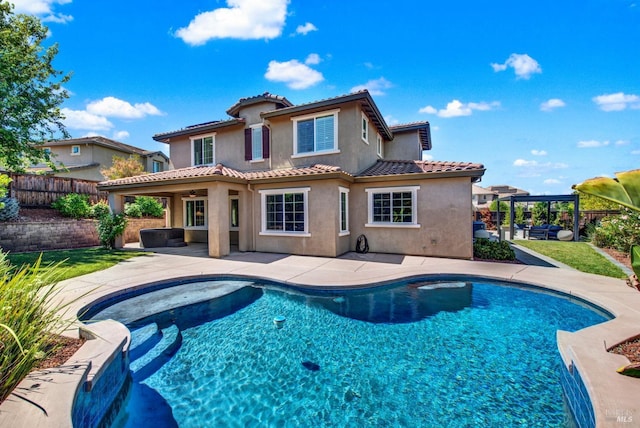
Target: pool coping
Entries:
(612, 395)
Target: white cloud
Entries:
(375, 86)
(43, 9)
(427, 157)
(552, 181)
(587, 144)
(293, 73)
(622, 142)
(391, 120)
(120, 135)
(552, 104)
(306, 28)
(523, 163)
(81, 119)
(313, 59)
(523, 65)
(635, 152)
(456, 108)
(242, 19)
(617, 102)
(538, 152)
(114, 107)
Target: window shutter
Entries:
(265, 142)
(247, 144)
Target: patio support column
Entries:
(218, 220)
(116, 202)
(246, 222)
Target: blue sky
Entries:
(545, 94)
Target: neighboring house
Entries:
(310, 179)
(85, 157)
(482, 197)
(505, 191)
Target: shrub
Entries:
(28, 319)
(99, 209)
(149, 206)
(110, 226)
(492, 250)
(9, 209)
(619, 231)
(73, 205)
(133, 210)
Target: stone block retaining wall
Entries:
(21, 237)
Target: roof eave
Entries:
(166, 137)
(473, 174)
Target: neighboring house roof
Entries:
(381, 168)
(280, 102)
(423, 129)
(505, 191)
(478, 190)
(200, 128)
(46, 168)
(366, 103)
(104, 142)
(397, 167)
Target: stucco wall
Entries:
(404, 146)
(444, 215)
(132, 233)
(323, 227)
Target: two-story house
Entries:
(85, 157)
(310, 179)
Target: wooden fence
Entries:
(42, 190)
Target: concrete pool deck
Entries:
(614, 397)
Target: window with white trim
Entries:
(392, 206)
(315, 134)
(285, 211)
(379, 145)
(202, 150)
(364, 132)
(344, 211)
(195, 213)
(75, 150)
(157, 166)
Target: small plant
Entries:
(492, 250)
(99, 209)
(9, 209)
(620, 231)
(110, 226)
(73, 205)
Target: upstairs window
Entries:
(157, 166)
(256, 143)
(75, 150)
(202, 150)
(365, 129)
(379, 145)
(315, 134)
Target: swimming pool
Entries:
(413, 353)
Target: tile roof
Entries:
(196, 129)
(234, 110)
(101, 141)
(220, 170)
(396, 167)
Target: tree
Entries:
(31, 91)
(123, 167)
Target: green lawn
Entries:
(75, 262)
(578, 255)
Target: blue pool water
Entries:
(414, 355)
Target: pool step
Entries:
(143, 340)
(149, 362)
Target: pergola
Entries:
(575, 198)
